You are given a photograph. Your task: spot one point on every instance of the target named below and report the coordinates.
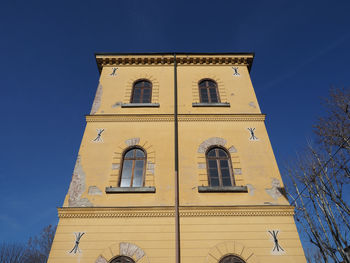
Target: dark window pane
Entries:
(213, 173)
(213, 95)
(146, 98)
(226, 181)
(223, 164)
(146, 84)
(222, 153)
(212, 164)
(204, 95)
(138, 84)
(202, 84)
(214, 182)
(137, 91)
(211, 153)
(146, 91)
(211, 83)
(225, 172)
(129, 154)
(139, 153)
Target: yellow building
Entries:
(175, 165)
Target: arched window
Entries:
(208, 91)
(142, 92)
(122, 259)
(133, 168)
(219, 167)
(231, 259)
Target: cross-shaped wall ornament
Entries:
(78, 236)
(99, 135)
(277, 246)
(235, 73)
(252, 134)
(114, 72)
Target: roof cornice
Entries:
(118, 59)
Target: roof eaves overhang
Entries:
(117, 59)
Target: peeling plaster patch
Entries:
(232, 94)
(202, 166)
(209, 142)
(150, 167)
(132, 141)
(252, 104)
(117, 104)
(94, 190)
(97, 101)
(274, 191)
(77, 187)
(131, 250)
(115, 166)
(101, 259)
(237, 171)
(251, 189)
(232, 149)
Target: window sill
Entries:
(222, 189)
(221, 104)
(117, 190)
(140, 105)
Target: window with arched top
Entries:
(122, 259)
(231, 259)
(219, 167)
(141, 92)
(133, 168)
(208, 91)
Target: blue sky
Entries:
(49, 76)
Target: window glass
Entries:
(231, 259)
(142, 92)
(139, 153)
(208, 91)
(211, 152)
(219, 168)
(122, 259)
(133, 168)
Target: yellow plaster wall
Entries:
(207, 239)
(155, 236)
(119, 88)
(254, 158)
(97, 159)
(237, 90)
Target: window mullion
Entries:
(132, 172)
(208, 94)
(219, 171)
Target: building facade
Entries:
(175, 165)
